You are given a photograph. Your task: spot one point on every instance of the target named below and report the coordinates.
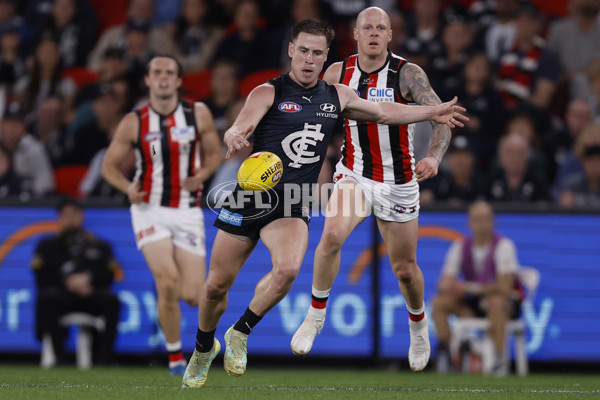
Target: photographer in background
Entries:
(74, 271)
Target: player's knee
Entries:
(191, 297)
(167, 286)
(405, 270)
(214, 290)
(332, 241)
(192, 301)
(285, 275)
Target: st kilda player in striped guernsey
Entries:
(177, 148)
(378, 168)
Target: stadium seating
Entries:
(254, 79)
(67, 179)
(466, 327)
(80, 75)
(198, 84)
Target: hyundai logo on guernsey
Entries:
(328, 111)
(378, 95)
(327, 107)
(289, 107)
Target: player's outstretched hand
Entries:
(134, 193)
(235, 139)
(449, 113)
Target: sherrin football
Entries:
(260, 171)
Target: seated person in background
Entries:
(524, 125)
(528, 72)
(224, 94)
(461, 182)
(11, 184)
(113, 65)
(424, 33)
(44, 79)
(49, 129)
(515, 181)
(28, 155)
(486, 110)
(12, 58)
(582, 189)
(89, 131)
(93, 184)
(488, 263)
(74, 271)
(558, 142)
(74, 32)
(446, 67)
(195, 39)
(116, 36)
(248, 45)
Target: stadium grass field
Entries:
(31, 382)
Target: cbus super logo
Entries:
(289, 107)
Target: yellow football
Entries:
(260, 171)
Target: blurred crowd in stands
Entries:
(529, 77)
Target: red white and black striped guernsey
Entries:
(379, 152)
(167, 152)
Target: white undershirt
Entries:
(505, 258)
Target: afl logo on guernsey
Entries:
(289, 107)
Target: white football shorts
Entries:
(395, 203)
(184, 225)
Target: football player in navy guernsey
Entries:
(377, 157)
(294, 106)
(168, 138)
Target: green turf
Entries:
(31, 382)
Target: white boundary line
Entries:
(309, 389)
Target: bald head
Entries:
(481, 208)
(373, 12)
(481, 220)
(372, 34)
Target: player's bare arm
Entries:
(333, 73)
(124, 140)
(414, 85)
(257, 104)
(388, 113)
(211, 147)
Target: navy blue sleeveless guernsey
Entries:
(298, 128)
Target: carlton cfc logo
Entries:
(289, 107)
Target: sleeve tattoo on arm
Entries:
(414, 82)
